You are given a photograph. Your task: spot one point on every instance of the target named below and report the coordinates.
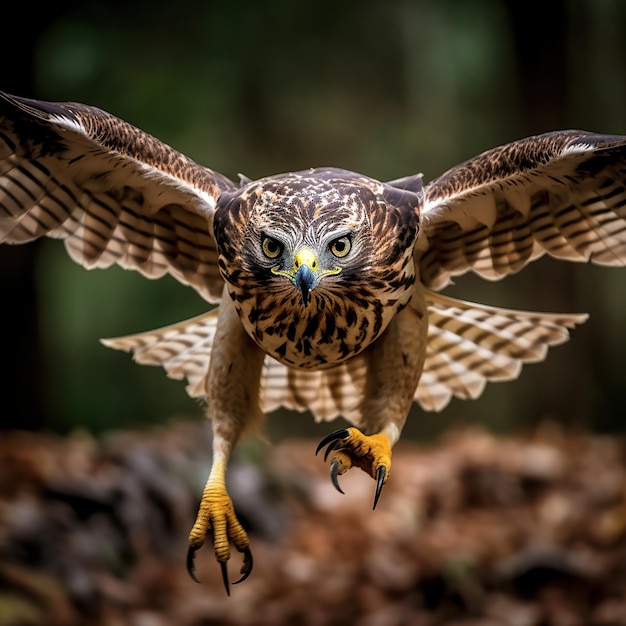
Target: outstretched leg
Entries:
(232, 405)
(394, 365)
(216, 517)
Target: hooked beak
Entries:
(305, 274)
(305, 280)
(305, 267)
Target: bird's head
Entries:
(305, 230)
(299, 249)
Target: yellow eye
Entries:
(340, 247)
(271, 247)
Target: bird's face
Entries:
(313, 244)
(306, 268)
(301, 261)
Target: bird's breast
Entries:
(324, 333)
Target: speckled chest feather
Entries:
(357, 295)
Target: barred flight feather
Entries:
(79, 176)
(183, 349)
(471, 344)
(468, 345)
(326, 393)
(554, 194)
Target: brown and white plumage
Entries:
(327, 280)
(468, 345)
(115, 194)
(561, 193)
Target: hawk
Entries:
(328, 281)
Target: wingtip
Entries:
(116, 343)
(33, 109)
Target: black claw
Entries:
(224, 568)
(191, 553)
(334, 472)
(380, 481)
(338, 434)
(246, 568)
(330, 448)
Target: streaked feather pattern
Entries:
(470, 345)
(184, 351)
(561, 193)
(117, 195)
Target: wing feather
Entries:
(328, 393)
(561, 193)
(115, 194)
(470, 345)
(184, 351)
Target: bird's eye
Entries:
(341, 246)
(272, 248)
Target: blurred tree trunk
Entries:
(541, 40)
(21, 344)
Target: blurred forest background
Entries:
(385, 88)
(508, 510)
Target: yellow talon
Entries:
(350, 447)
(216, 517)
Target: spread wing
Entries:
(113, 193)
(561, 193)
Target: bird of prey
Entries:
(327, 280)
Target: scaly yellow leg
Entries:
(216, 516)
(232, 389)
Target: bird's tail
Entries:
(471, 344)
